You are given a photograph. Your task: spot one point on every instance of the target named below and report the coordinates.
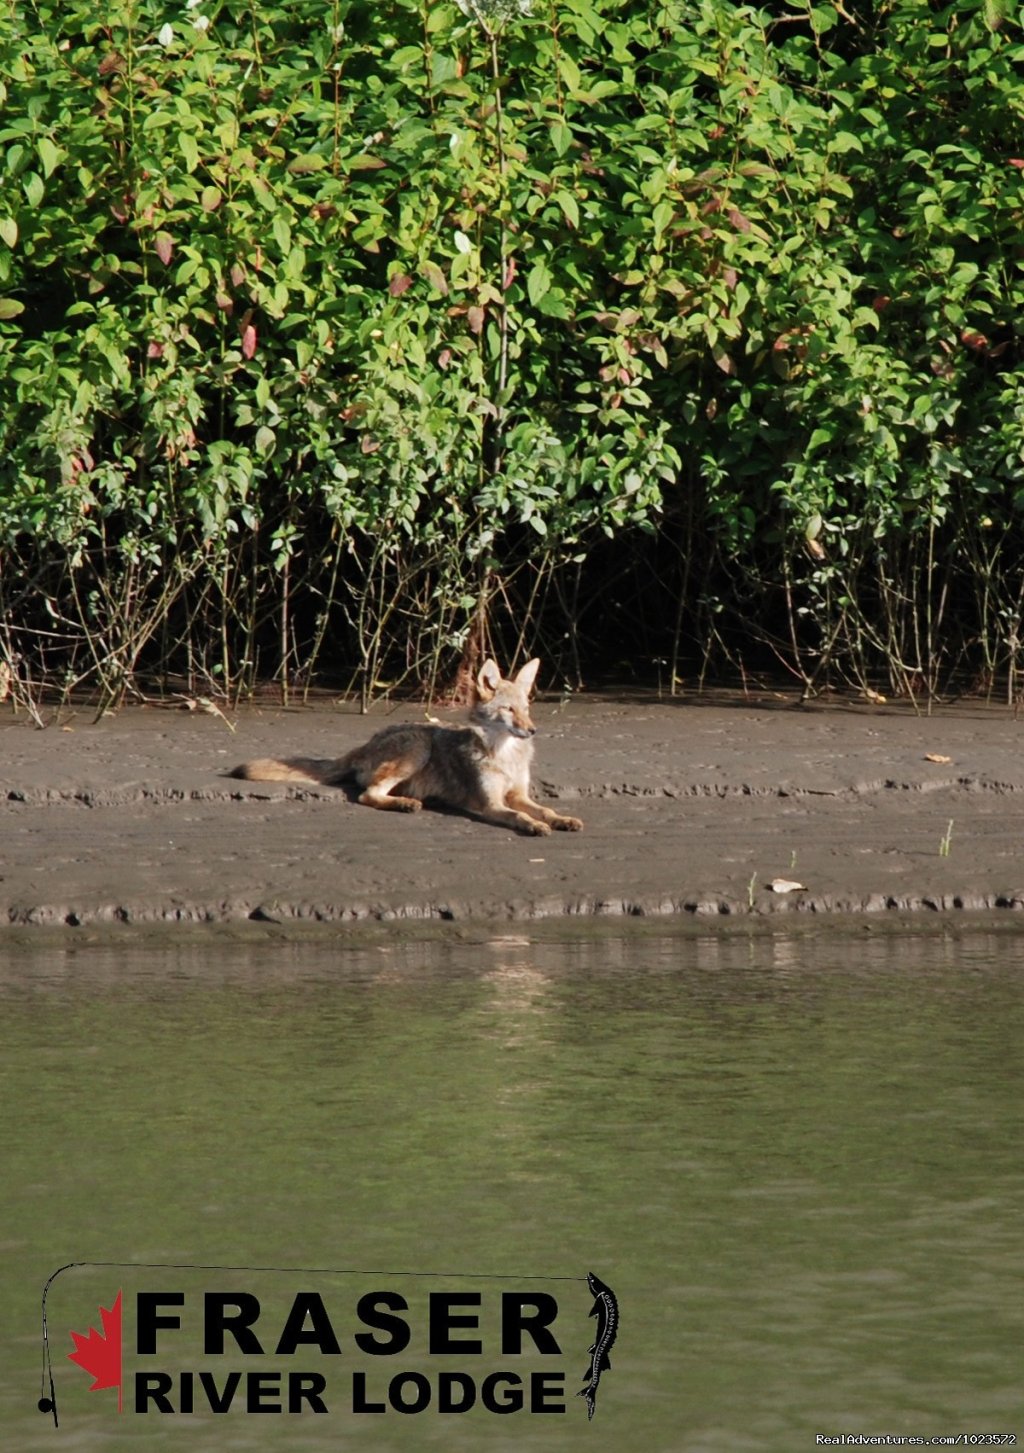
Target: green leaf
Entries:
(570, 208)
(561, 136)
(51, 156)
(663, 216)
(569, 71)
(844, 141)
(9, 231)
(538, 282)
(10, 308)
(34, 189)
(264, 195)
(189, 150)
(301, 166)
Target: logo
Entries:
(99, 1354)
(365, 1346)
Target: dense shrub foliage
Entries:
(352, 338)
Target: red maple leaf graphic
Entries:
(100, 1353)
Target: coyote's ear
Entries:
(528, 675)
(488, 680)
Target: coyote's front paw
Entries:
(568, 824)
(532, 827)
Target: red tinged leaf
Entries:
(164, 244)
(435, 277)
(444, 358)
(475, 319)
(723, 360)
(1017, 161)
(368, 445)
(510, 273)
(791, 340)
(977, 341)
(155, 350)
(248, 341)
(399, 284)
(99, 1354)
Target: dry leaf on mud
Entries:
(874, 696)
(787, 885)
(5, 680)
(203, 703)
(936, 757)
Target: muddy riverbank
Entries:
(690, 807)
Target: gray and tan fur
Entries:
(482, 769)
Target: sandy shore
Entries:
(691, 808)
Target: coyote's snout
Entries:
(482, 769)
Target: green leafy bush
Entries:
(345, 338)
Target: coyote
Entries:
(482, 769)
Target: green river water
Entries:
(797, 1159)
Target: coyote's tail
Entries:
(294, 769)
